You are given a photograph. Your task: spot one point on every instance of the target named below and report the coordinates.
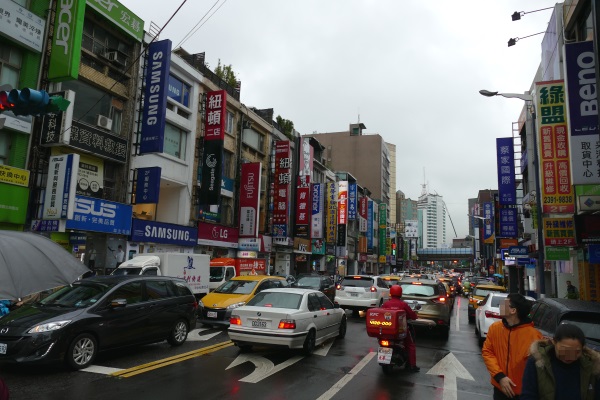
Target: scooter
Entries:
(390, 327)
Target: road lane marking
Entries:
(324, 349)
(457, 315)
(263, 368)
(98, 369)
(140, 369)
(195, 336)
(450, 368)
(344, 381)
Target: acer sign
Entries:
(100, 215)
(217, 235)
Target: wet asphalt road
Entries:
(209, 367)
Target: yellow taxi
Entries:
(479, 293)
(215, 308)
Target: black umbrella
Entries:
(30, 263)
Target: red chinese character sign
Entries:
(555, 174)
(282, 186)
(303, 209)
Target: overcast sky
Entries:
(410, 69)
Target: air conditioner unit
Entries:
(116, 58)
(110, 55)
(104, 122)
(263, 185)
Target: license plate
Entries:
(211, 314)
(3, 348)
(353, 294)
(259, 324)
(384, 355)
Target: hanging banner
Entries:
(303, 213)
(505, 156)
(282, 186)
(557, 190)
(155, 97)
(250, 199)
(147, 188)
(316, 227)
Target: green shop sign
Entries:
(557, 253)
(13, 203)
(382, 228)
(66, 42)
(121, 16)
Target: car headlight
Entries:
(236, 305)
(50, 326)
(200, 303)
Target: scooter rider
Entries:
(396, 303)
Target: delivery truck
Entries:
(222, 270)
(194, 268)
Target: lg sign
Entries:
(219, 233)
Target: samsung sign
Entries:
(155, 97)
(160, 232)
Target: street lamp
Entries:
(513, 41)
(518, 14)
(538, 198)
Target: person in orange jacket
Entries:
(506, 348)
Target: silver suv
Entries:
(360, 292)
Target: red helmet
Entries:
(396, 291)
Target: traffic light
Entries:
(31, 102)
(393, 248)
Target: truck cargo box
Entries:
(386, 323)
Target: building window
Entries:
(229, 123)
(10, 65)
(253, 139)
(92, 102)
(105, 45)
(179, 91)
(175, 141)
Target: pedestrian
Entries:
(92, 257)
(562, 368)
(506, 347)
(572, 292)
(120, 256)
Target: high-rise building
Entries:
(432, 219)
(394, 218)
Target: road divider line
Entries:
(140, 369)
(347, 378)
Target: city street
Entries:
(208, 366)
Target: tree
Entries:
(286, 126)
(226, 73)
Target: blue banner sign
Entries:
(160, 232)
(352, 201)
(370, 225)
(507, 190)
(488, 227)
(155, 97)
(508, 222)
(100, 216)
(581, 73)
(594, 253)
(147, 188)
(518, 251)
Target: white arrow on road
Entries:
(263, 367)
(450, 368)
(195, 336)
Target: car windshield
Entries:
(276, 300)
(217, 274)
(358, 282)
(483, 292)
(497, 300)
(591, 330)
(76, 295)
(237, 287)
(127, 271)
(308, 282)
(417, 290)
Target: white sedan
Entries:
(287, 317)
(488, 312)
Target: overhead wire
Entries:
(196, 27)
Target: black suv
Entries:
(322, 283)
(548, 313)
(98, 313)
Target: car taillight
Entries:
(373, 289)
(235, 320)
(492, 314)
(339, 287)
(440, 300)
(384, 343)
(195, 305)
(287, 324)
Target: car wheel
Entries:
(445, 332)
(82, 351)
(178, 333)
(471, 319)
(343, 327)
(309, 343)
(481, 339)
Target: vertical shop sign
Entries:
(66, 40)
(488, 226)
(59, 200)
(580, 66)
(303, 213)
(505, 156)
(557, 190)
(508, 222)
(306, 157)
(147, 187)
(316, 227)
(250, 199)
(362, 214)
(281, 197)
(331, 223)
(382, 228)
(214, 136)
(342, 213)
(155, 97)
(352, 201)
(370, 216)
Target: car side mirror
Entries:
(336, 305)
(480, 302)
(118, 303)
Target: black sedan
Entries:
(321, 283)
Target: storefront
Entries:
(217, 241)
